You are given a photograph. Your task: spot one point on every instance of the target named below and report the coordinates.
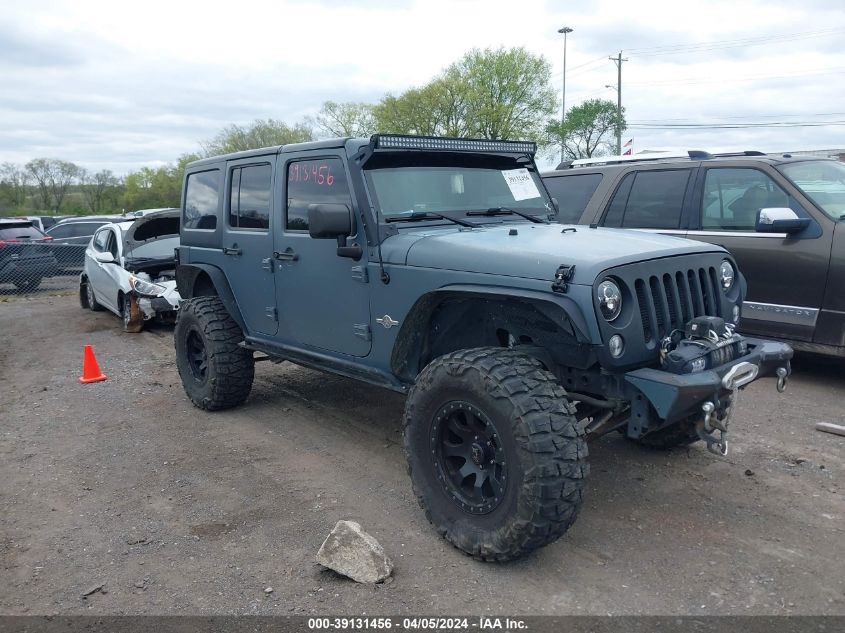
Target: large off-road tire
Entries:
(130, 314)
(216, 371)
(675, 436)
(88, 300)
(495, 454)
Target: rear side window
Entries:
(202, 197)
(63, 230)
(573, 193)
(21, 231)
(314, 182)
(249, 197)
(649, 200)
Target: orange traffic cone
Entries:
(90, 369)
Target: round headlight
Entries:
(610, 299)
(726, 275)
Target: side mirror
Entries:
(780, 220)
(329, 221)
(105, 257)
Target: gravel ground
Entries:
(177, 511)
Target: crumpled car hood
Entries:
(535, 251)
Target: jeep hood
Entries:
(535, 250)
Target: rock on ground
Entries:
(350, 551)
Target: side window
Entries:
(111, 244)
(572, 194)
(616, 208)
(249, 197)
(313, 182)
(201, 200)
(655, 200)
(64, 230)
(732, 197)
(100, 240)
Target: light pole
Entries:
(566, 31)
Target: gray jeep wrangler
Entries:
(433, 267)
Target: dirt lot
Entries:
(176, 511)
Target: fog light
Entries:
(736, 314)
(616, 345)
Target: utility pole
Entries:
(618, 61)
(566, 31)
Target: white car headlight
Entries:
(146, 288)
(610, 299)
(727, 274)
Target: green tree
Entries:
(346, 119)
(508, 92)
(259, 133)
(589, 130)
(53, 178)
(496, 94)
(14, 186)
(150, 188)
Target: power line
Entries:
(734, 126)
(691, 80)
(671, 49)
(747, 116)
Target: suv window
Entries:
(62, 230)
(314, 182)
(249, 197)
(201, 199)
(573, 193)
(733, 196)
(20, 231)
(649, 200)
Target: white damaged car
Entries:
(129, 269)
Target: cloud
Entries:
(111, 85)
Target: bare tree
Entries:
(96, 188)
(346, 119)
(52, 177)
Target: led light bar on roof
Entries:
(400, 141)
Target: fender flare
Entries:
(186, 276)
(420, 313)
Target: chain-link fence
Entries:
(36, 265)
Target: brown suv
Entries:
(781, 216)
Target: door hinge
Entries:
(271, 313)
(359, 273)
(362, 330)
(267, 264)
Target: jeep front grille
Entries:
(667, 302)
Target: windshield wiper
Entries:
(417, 216)
(508, 211)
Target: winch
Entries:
(706, 342)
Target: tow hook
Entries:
(707, 426)
(782, 378)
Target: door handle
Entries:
(232, 251)
(288, 255)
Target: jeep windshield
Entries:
(455, 185)
(822, 181)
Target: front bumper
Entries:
(659, 398)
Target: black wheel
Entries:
(677, 435)
(216, 372)
(27, 285)
(130, 314)
(90, 300)
(495, 455)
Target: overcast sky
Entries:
(120, 85)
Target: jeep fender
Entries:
(413, 346)
(197, 280)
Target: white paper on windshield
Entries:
(521, 184)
